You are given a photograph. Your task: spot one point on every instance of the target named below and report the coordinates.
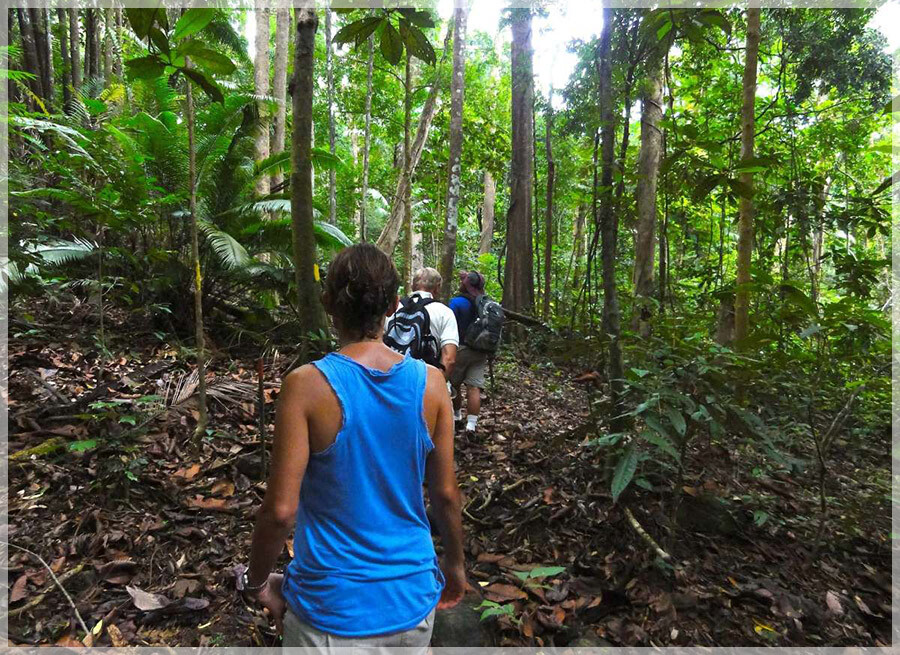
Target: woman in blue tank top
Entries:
(357, 434)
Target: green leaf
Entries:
(144, 68)
(391, 44)
(143, 19)
(640, 372)
(624, 472)
(206, 58)
(129, 419)
(889, 107)
(230, 253)
(205, 82)
(659, 441)
(643, 483)
(331, 233)
(800, 299)
(705, 186)
(159, 39)
(417, 43)
(81, 446)
(546, 571)
(676, 418)
(418, 17)
(714, 18)
(359, 30)
(662, 31)
(192, 21)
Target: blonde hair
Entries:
(427, 279)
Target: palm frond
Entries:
(230, 253)
(60, 251)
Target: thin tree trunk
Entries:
(518, 289)
(487, 214)
(745, 212)
(29, 52)
(41, 46)
(195, 263)
(282, 34)
(608, 219)
(407, 191)
(117, 62)
(457, 92)
(107, 45)
(88, 42)
(261, 88)
(329, 71)
(75, 48)
(64, 52)
(310, 312)
(548, 222)
(390, 234)
(648, 169)
(367, 142)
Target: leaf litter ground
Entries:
(144, 532)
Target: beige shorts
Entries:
(300, 634)
(469, 368)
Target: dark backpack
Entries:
(485, 332)
(410, 331)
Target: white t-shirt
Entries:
(443, 321)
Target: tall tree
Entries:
(745, 209)
(29, 51)
(64, 52)
(261, 88)
(329, 81)
(457, 91)
(518, 288)
(648, 170)
(108, 20)
(407, 273)
(75, 48)
(309, 305)
(195, 259)
(487, 214)
(548, 217)
(367, 140)
(608, 221)
(282, 33)
(37, 20)
(117, 63)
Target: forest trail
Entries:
(143, 533)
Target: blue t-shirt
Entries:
(465, 311)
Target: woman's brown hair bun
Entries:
(361, 283)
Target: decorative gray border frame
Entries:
(4, 350)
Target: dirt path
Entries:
(132, 517)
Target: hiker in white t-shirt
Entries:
(442, 320)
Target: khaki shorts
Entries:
(469, 368)
(300, 634)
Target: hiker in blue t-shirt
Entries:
(470, 365)
(357, 434)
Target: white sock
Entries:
(471, 420)
(457, 414)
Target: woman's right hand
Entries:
(454, 587)
(271, 598)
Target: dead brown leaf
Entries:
(115, 636)
(118, 572)
(207, 503)
(18, 591)
(188, 473)
(146, 601)
(499, 592)
(223, 488)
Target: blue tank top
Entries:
(364, 563)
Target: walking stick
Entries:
(261, 398)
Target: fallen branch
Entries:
(56, 580)
(645, 536)
(43, 448)
(53, 392)
(526, 319)
(37, 600)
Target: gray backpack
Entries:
(485, 332)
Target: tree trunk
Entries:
(92, 40)
(88, 43)
(309, 306)
(608, 220)
(548, 221)
(282, 33)
(518, 289)
(648, 169)
(745, 211)
(578, 245)
(195, 264)
(390, 234)
(487, 214)
(457, 91)
(41, 47)
(407, 273)
(75, 48)
(47, 46)
(367, 142)
(29, 52)
(261, 88)
(117, 63)
(107, 45)
(329, 72)
(64, 52)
